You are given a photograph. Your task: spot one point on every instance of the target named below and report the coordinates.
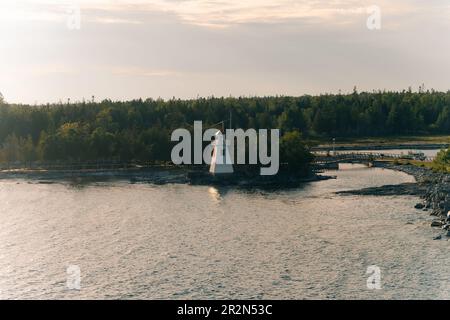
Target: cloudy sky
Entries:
(125, 49)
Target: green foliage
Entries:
(443, 121)
(18, 149)
(442, 161)
(443, 158)
(293, 151)
(102, 143)
(140, 130)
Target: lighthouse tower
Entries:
(221, 159)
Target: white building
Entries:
(221, 159)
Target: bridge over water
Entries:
(331, 160)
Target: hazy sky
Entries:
(128, 49)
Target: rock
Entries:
(388, 190)
(436, 223)
(419, 206)
(436, 212)
(439, 237)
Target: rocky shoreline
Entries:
(432, 187)
(159, 175)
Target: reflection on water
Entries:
(137, 241)
(214, 193)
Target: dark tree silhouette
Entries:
(140, 130)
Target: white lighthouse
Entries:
(221, 159)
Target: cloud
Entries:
(211, 13)
(39, 70)
(143, 72)
(111, 20)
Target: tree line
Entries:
(141, 129)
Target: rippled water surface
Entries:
(137, 241)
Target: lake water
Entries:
(142, 241)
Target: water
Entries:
(141, 241)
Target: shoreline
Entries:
(160, 175)
(432, 187)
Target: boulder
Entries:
(435, 212)
(436, 223)
(419, 206)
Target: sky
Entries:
(127, 49)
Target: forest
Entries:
(141, 129)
